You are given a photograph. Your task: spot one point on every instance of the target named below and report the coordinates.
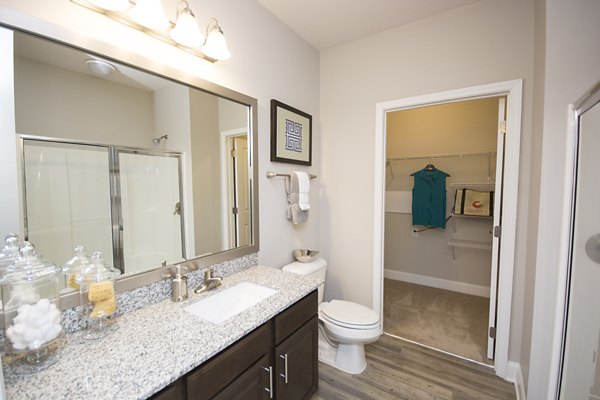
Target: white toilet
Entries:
(344, 327)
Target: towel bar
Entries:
(274, 174)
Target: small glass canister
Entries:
(73, 267)
(30, 299)
(98, 298)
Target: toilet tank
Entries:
(315, 269)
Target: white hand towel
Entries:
(303, 190)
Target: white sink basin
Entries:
(229, 302)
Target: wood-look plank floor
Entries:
(398, 369)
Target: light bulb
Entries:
(113, 5)
(216, 46)
(186, 31)
(150, 13)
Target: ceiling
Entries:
(48, 52)
(327, 23)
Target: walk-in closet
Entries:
(443, 185)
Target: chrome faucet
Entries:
(210, 282)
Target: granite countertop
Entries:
(153, 346)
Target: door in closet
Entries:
(497, 227)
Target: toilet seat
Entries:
(349, 315)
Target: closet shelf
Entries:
(467, 184)
(470, 244)
(472, 216)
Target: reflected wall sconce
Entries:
(149, 17)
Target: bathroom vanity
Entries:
(165, 352)
(276, 360)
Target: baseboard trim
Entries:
(514, 375)
(439, 283)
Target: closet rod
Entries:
(437, 156)
(274, 174)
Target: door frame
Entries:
(513, 90)
(567, 224)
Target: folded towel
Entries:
(303, 189)
(294, 212)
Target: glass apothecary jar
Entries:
(98, 298)
(73, 267)
(30, 299)
(10, 252)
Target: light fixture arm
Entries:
(215, 25)
(184, 7)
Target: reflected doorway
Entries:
(236, 215)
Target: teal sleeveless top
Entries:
(429, 198)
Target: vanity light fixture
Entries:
(215, 45)
(149, 17)
(186, 31)
(150, 13)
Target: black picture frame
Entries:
(289, 134)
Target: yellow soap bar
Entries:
(101, 291)
(104, 308)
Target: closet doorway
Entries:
(466, 257)
(441, 192)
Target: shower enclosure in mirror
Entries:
(580, 377)
(150, 168)
(98, 196)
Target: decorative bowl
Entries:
(304, 255)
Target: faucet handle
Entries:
(209, 273)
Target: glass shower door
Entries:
(67, 192)
(581, 369)
(150, 210)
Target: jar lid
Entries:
(79, 261)
(97, 270)
(29, 266)
(10, 251)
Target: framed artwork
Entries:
(291, 134)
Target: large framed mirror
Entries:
(151, 166)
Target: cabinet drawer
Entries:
(217, 373)
(295, 316)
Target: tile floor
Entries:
(449, 321)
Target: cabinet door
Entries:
(222, 370)
(253, 384)
(296, 363)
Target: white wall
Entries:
(70, 105)
(206, 172)
(260, 66)
(485, 42)
(572, 66)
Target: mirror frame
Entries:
(27, 24)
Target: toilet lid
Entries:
(346, 313)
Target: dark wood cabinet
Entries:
(278, 360)
(175, 391)
(253, 384)
(297, 365)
